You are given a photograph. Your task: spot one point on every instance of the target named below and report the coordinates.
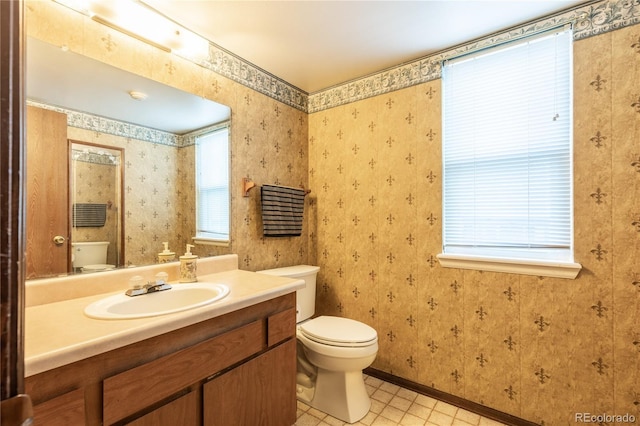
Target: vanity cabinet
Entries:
(236, 369)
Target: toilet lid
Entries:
(97, 267)
(337, 331)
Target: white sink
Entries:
(180, 297)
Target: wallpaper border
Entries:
(588, 20)
(229, 65)
(95, 123)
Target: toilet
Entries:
(331, 351)
(90, 256)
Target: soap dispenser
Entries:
(166, 255)
(188, 266)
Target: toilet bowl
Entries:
(90, 256)
(331, 353)
(339, 348)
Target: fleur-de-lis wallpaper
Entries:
(538, 348)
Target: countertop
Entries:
(59, 333)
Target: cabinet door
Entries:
(182, 411)
(260, 392)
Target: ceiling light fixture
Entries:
(137, 20)
(123, 30)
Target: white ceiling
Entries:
(314, 45)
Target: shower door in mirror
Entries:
(47, 193)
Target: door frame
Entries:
(12, 210)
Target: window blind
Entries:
(507, 151)
(212, 181)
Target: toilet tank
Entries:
(89, 253)
(305, 297)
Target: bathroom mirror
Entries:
(150, 124)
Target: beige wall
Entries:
(269, 145)
(538, 348)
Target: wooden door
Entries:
(47, 193)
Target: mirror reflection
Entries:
(96, 207)
(74, 103)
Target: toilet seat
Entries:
(338, 331)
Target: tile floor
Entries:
(392, 405)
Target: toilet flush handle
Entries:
(58, 240)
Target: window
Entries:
(507, 157)
(212, 183)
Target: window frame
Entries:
(204, 237)
(477, 260)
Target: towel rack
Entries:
(248, 185)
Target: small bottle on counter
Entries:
(188, 266)
(166, 255)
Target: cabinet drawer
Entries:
(133, 390)
(281, 326)
(64, 410)
(182, 411)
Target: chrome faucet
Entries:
(150, 287)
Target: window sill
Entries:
(567, 270)
(211, 242)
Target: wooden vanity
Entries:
(234, 368)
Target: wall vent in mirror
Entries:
(89, 215)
